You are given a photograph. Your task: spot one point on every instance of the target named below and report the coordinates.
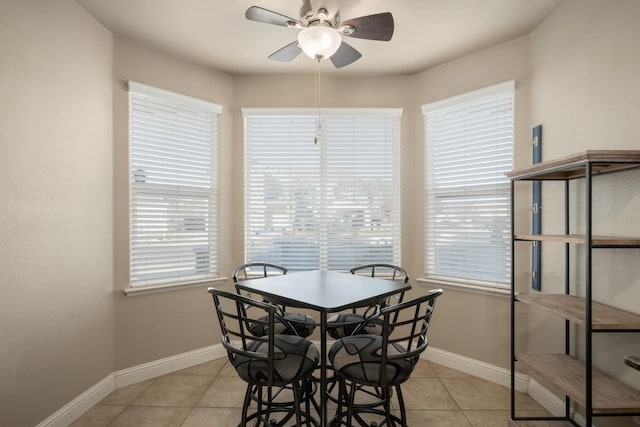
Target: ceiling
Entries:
(216, 34)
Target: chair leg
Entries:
(386, 393)
(308, 395)
(350, 402)
(296, 402)
(245, 405)
(403, 412)
(342, 391)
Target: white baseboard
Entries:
(167, 365)
(476, 368)
(118, 379)
(81, 404)
(495, 374)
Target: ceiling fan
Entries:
(321, 33)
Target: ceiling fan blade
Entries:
(287, 53)
(345, 55)
(372, 27)
(260, 14)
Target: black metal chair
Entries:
(274, 362)
(302, 324)
(344, 324)
(383, 361)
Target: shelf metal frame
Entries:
(582, 165)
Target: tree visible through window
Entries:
(332, 204)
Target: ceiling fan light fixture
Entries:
(319, 42)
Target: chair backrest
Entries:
(387, 271)
(404, 329)
(257, 269)
(235, 324)
(254, 270)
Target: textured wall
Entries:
(56, 283)
(584, 91)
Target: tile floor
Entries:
(211, 395)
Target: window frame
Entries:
(312, 115)
(179, 191)
(471, 283)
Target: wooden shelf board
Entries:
(580, 239)
(633, 361)
(603, 317)
(573, 166)
(568, 374)
(539, 423)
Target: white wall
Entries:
(56, 269)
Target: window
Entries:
(469, 140)
(332, 204)
(173, 187)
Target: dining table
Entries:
(324, 292)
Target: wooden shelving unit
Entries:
(567, 373)
(604, 317)
(596, 241)
(582, 384)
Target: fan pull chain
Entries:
(317, 102)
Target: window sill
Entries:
(479, 289)
(143, 290)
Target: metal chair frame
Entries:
(405, 327)
(236, 339)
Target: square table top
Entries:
(322, 290)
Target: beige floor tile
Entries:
(423, 369)
(491, 418)
(445, 372)
(228, 370)
(213, 417)
(98, 416)
(145, 416)
(211, 368)
(488, 418)
(427, 393)
(174, 390)
(212, 394)
(126, 395)
(476, 393)
(224, 392)
(437, 419)
(367, 418)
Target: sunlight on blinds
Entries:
(331, 205)
(173, 167)
(469, 147)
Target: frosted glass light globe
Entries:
(319, 42)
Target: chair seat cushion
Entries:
(358, 358)
(344, 325)
(303, 325)
(294, 358)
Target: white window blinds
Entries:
(469, 143)
(173, 187)
(331, 205)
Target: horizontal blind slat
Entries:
(327, 205)
(467, 221)
(173, 166)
